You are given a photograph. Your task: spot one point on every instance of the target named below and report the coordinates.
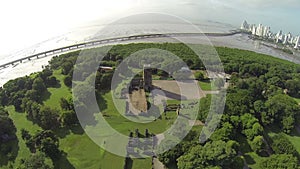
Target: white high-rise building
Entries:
(290, 38)
(254, 30)
(278, 36)
(285, 39)
(297, 44)
(266, 31)
(260, 30)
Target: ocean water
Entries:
(97, 31)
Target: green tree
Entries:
(33, 110)
(6, 124)
(293, 87)
(25, 134)
(69, 118)
(51, 81)
(49, 118)
(68, 80)
(199, 75)
(194, 159)
(66, 67)
(223, 133)
(281, 109)
(251, 126)
(288, 124)
(35, 161)
(33, 95)
(51, 147)
(38, 85)
(276, 81)
(280, 161)
(216, 153)
(281, 145)
(45, 141)
(169, 157)
(238, 102)
(257, 144)
(64, 104)
(7, 137)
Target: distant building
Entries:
(285, 39)
(147, 77)
(259, 30)
(254, 30)
(245, 26)
(297, 43)
(265, 33)
(290, 38)
(278, 37)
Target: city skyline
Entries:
(265, 32)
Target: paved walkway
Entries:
(157, 164)
(179, 90)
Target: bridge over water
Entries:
(112, 40)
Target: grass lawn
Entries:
(173, 102)
(205, 85)
(123, 125)
(253, 159)
(295, 140)
(294, 137)
(110, 160)
(21, 122)
(296, 99)
(81, 151)
(142, 163)
(55, 94)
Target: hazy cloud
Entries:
(257, 4)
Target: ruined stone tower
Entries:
(147, 77)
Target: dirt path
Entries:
(196, 123)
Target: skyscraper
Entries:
(266, 31)
(254, 30)
(278, 36)
(297, 42)
(259, 31)
(285, 39)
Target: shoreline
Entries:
(237, 40)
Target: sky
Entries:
(27, 22)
